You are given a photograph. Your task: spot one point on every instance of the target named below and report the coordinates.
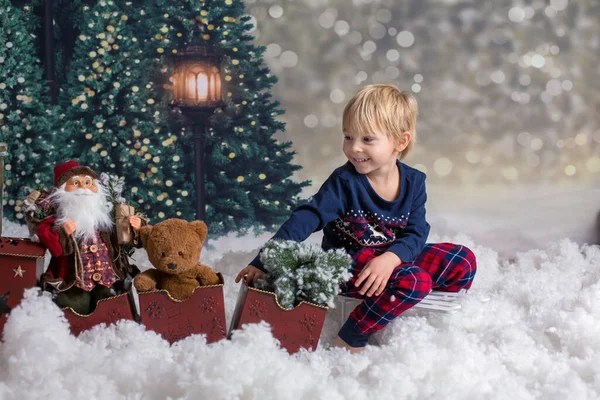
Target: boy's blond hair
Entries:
(384, 107)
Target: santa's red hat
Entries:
(65, 171)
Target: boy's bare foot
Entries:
(338, 342)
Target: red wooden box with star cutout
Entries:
(299, 327)
(21, 263)
(202, 313)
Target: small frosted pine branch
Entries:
(114, 185)
(301, 271)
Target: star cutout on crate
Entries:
(4, 308)
(18, 272)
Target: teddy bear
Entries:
(174, 247)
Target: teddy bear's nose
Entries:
(171, 265)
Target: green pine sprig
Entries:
(303, 272)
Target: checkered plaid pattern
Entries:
(97, 269)
(442, 266)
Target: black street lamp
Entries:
(197, 93)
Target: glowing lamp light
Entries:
(197, 79)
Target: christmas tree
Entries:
(247, 164)
(26, 121)
(116, 103)
(112, 108)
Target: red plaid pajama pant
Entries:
(441, 266)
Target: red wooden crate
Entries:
(108, 311)
(297, 328)
(21, 263)
(202, 313)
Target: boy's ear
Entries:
(403, 141)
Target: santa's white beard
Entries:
(90, 211)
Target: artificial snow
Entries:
(528, 329)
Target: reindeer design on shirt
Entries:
(366, 232)
(376, 232)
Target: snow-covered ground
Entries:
(528, 329)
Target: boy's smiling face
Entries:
(373, 153)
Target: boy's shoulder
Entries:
(413, 173)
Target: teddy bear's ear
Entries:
(145, 233)
(200, 228)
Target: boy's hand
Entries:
(376, 274)
(252, 274)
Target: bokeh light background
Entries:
(509, 91)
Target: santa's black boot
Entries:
(76, 298)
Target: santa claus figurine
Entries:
(80, 236)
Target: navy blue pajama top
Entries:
(353, 216)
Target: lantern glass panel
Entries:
(197, 80)
(202, 86)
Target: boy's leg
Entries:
(452, 266)
(407, 286)
(442, 266)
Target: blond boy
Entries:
(374, 208)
